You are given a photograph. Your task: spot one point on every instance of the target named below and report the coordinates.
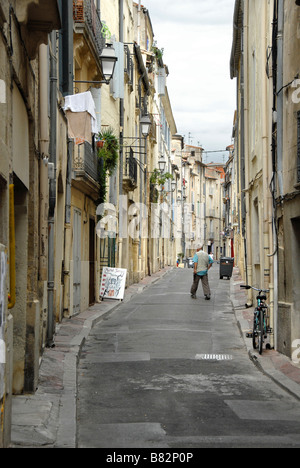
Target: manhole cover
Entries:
(214, 357)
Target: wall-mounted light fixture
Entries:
(145, 124)
(173, 188)
(108, 60)
(162, 165)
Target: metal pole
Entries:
(52, 188)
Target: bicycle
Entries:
(261, 327)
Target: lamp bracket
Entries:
(93, 82)
(136, 152)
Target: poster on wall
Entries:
(113, 283)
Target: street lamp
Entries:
(173, 185)
(145, 124)
(108, 62)
(162, 165)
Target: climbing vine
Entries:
(105, 31)
(108, 155)
(157, 178)
(157, 52)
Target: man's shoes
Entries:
(207, 298)
(193, 296)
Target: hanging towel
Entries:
(79, 127)
(83, 102)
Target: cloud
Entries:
(197, 38)
(200, 12)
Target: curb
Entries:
(264, 363)
(266, 366)
(67, 425)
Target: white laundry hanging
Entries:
(83, 102)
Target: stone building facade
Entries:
(264, 60)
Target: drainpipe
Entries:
(121, 164)
(141, 148)
(276, 145)
(12, 249)
(280, 96)
(242, 148)
(44, 151)
(52, 188)
(267, 206)
(68, 231)
(66, 63)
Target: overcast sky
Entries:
(197, 37)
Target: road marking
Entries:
(214, 357)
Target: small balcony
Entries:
(130, 177)
(85, 169)
(88, 24)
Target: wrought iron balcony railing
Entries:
(132, 167)
(85, 12)
(130, 178)
(85, 161)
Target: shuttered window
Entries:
(117, 86)
(161, 82)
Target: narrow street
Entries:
(124, 151)
(167, 371)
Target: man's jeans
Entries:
(205, 285)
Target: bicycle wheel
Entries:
(255, 332)
(260, 332)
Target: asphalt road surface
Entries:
(167, 371)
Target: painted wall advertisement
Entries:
(3, 268)
(113, 283)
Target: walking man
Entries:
(202, 264)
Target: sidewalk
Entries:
(275, 365)
(48, 418)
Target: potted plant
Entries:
(108, 154)
(157, 52)
(109, 150)
(100, 144)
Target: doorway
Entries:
(92, 228)
(76, 261)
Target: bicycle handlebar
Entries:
(246, 286)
